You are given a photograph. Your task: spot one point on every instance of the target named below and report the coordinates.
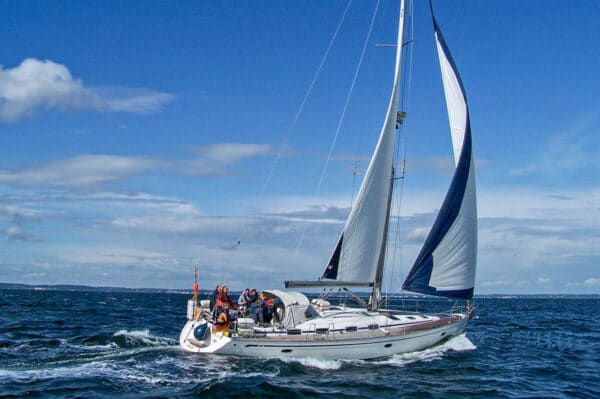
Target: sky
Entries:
(138, 140)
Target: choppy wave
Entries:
(136, 338)
(316, 363)
(128, 347)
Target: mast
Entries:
(375, 299)
(358, 257)
(393, 109)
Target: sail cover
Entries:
(446, 264)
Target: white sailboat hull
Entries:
(365, 345)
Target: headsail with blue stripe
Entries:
(446, 264)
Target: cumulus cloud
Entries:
(80, 172)
(544, 280)
(36, 85)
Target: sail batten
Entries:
(446, 263)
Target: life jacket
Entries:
(222, 322)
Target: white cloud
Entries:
(89, 171)
(497, 283)
(592, 281)
(215, 159)
(418, 234)
(83, 171)
(569, 150)
(118, 256)
(233, 152)
(134, 100)
(523, 232)
(16, 233)
(37, 85)
(17, 214)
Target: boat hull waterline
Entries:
(372, 344)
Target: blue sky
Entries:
(138, 140)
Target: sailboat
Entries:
(444, 267)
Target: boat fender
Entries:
(200, 331)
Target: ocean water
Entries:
(107, 344)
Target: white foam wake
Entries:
(459, 343)
(316, 363)
(144, 337)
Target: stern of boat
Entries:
(197, 336)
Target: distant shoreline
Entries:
(183, 291)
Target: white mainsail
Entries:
(358, 257)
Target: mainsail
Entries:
(358, 257)
(446, 264)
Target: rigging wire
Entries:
(401, 150)
(306, 95)
(342, 116)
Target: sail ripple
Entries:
(446, 264)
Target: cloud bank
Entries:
(80, 172)
(92, 171)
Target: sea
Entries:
(77, 344)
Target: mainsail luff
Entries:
(359, 253)
(446, 264)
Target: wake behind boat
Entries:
(444, 267)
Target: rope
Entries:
(341, 120)
(306, 95)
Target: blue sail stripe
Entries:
(418, 278)
(447, 54)
(420, 274)
(331, 270)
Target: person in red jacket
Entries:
(225, 297)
